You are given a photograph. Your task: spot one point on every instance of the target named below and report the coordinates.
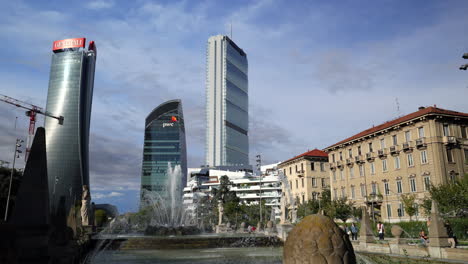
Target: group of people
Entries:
(353, 231)
(251, 229)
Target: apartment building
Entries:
(307, 174)
(403, 156)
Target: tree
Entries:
(340, 209)
(307, 208)
(409, 204)
(452, 197)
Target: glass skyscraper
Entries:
(227, 99)
(69, 95)
(164, 144)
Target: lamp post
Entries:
(15, 155)
(259, 169)
(386, 190)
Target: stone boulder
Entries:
(316, 240)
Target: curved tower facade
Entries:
(164, 144)
(69, 95)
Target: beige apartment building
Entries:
(403, 156)
(307, 174)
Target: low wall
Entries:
(456, 254)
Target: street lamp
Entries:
(259, 169)
(15, 155)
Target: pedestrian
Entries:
(249, 229)
(354, 231)
(347, 230)
(452, 238)
(381, 230)
(423, 237)
(254, 228)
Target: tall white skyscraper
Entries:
(227, 100)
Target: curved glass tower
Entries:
(69, 95)
(164, 144)
(227, 100)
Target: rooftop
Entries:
(311, 153)
(421, 112)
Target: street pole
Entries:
(17, 145)
(259, 168)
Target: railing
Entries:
(382, 152)
(421, 143)
(370, 156)
(394, 150)
(407, 146)
(449, 140)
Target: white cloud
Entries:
(100, 4)
(98, 196)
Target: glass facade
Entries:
(164, 144)
(227, 142)
(69, 95)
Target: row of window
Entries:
(312, 167)
(396, 164)
(314, 183)
(387, 191)
(401, 210)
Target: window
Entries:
(421, 132)
(363, 190)
(384, 165)
(446, 130)
(341, 174)
(334, 175)
(343, 193)
(302, 166)
(412, 182)
(297, 184)
(399, 188)
(350, 153)
(284, 171)
(408, 136)
(424, 157)
(302, 182)
(374, 188)
(372, 168)
(353, 194)
(359, 150)
(389, 210)
(370, 147)
(341, 155)
(427, 183)
(416, 209)
(312, 166)
(387, 188)
(314, 182)
(296, 168)
(394, 139)
(323, 183)
(463, 132)
(322, 166)
(290, 170)
(449, 155)
(351, 173)
(401, 210)
(333, 157)
(314, 195)
(303, 198)
(361, 170)
(397, 162)
(382, 143)
(410, 160)
(290, 184)
(466, 155)
(335, 193)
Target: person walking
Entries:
(354, 231)
(423, 237)
(381, 230)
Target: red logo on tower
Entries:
(69, 43)
(173, 119)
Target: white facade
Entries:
(227, 140)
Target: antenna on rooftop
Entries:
(231, 29)
(398, 107)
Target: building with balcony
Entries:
(403, 156)
(307, 174)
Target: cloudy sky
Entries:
(319, 71)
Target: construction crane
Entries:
(31, 112)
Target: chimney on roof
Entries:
(421, 108)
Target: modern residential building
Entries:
(69, 95)
(227, 100)
(403, 156)
(248, 187)
(307, 175)
(164, 146)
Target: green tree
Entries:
(409, 204)
(307, 208)
(452, 197)
(340, 209)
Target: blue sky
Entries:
(319, 71)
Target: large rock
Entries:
(315, 240)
